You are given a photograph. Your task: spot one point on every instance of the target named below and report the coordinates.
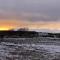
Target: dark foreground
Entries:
(29, 51)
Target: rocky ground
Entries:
(32, 51)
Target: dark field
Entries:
(30, 49)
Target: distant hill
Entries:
(25, 33)
(18, 33)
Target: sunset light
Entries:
(30, 25)
(4, 29)
(29, 29)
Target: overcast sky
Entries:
(30, 10)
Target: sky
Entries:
(33, 14)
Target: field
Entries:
(38, 48)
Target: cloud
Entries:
(30, 10)
(26, 16)
(35, 17)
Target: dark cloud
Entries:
(30, 10)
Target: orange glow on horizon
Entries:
(12, 24)
(4, 29)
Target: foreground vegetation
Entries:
(33, 46)
(12, 51)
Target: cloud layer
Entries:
(30, 10)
